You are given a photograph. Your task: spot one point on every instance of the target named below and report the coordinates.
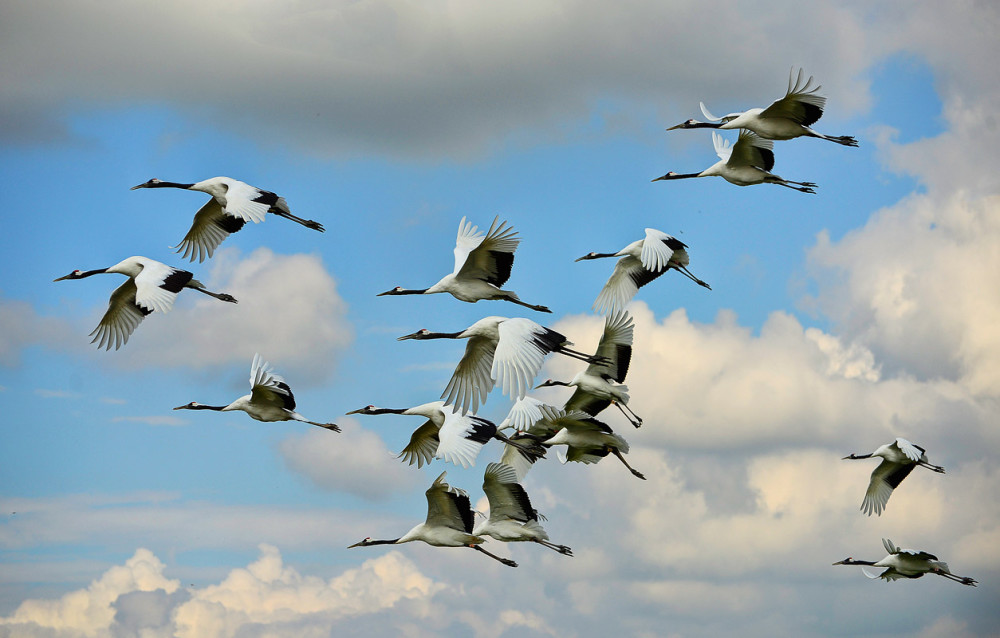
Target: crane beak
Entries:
(61, 278)
(355, 412)
(676, 127)
(409, 336)
(662, 177)
(358, 544)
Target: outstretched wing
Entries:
(801, 104)
(422, 446)
(448, 506)
(488, 258)
(660, 249)
(268, 388)
(121, 319)
(885, 478)
(210, 227)
(157, 285)
(473, 377)
(520, 353)
(508, 499)
(752, 150)
(628, 276)
(615, 348)
(247, 202)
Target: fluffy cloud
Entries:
(356, 461)
(137, 600)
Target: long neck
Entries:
(386, 411)
(382, 542)
(199, 406)
(670, 176)
(858, 456)
(851, 561)
(440, 335)
(169, 185)
(403, 291)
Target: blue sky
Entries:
(836, 321)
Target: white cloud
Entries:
(20, 326)
(355, 461)
(265, 594)
(91, 610)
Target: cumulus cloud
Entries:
(21, 326)
(424, 79)
(137, 599)
(356, 462)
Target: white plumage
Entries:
(270, 398)
(587, 440)
(745, 163)
(151, 287)
(233, 204)
(482, 264)
(786, 118)
(641, 262)
(898, 460)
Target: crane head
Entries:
(150, 184)
(419, 334)
(368, 409)
(362, 543)
(73, 275)
(550, 382)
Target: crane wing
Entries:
(515, 458)
(885, 478)
(752, 150)
(210, 227)
(247, 202)
(615, 348)
(489, 258)
(723, 147)
(724, 119)
(628, 276)
(268, 388)
(473, 378)
(523, 414)
(448, 506)
(801, 104)
(157, 285)
(508, 499)
(911, 451)
(422, 446)
(660, 249)
(469, 238)
(121, 319)
(520, 353)
(462, 437)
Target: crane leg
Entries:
(506, 561)
(621, 458)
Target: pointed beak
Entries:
(387, 292)
(143, 185)
(409, 336)
(181, 407)
(361, 542)
(355, 411)
(61, 278)
(582, 258)
(662, 177)
(675, 127)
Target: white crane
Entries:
(601, 384)
(641, 262)
(898, 460)
(448, 435)
(233, 204)
(151, 287)
(745, 163)
(482, 265)
(786, 118)
(512, 518)
(525, 412)
(270, 398)
(587, 440)
(503, 351)
(907, 563)
(449, 523)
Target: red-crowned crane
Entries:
(512, 518)
(482, 265)
(151, 287)
(449, 523)
(641, 262)
(270, 398)
(448, 435)
(907, 563)
(602, 384)
(500, 351)
(898, 460)
(745, 163)
(233, 204)
(786, 118)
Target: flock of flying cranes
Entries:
(509, 352)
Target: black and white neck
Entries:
(156, 183)
(399, 290)
(194, 405)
